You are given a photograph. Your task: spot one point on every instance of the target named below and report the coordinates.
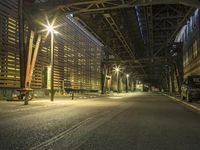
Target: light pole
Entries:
(52, 66)
(117, 69)
(52, 31)
(127, 82)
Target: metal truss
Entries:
(106, 47)
(162, 19)
(171, 34)
(79, 6)
(119, 35)
(149, 60)
(149, 20)
(162, 24)
(114, 35)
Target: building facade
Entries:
(190, 37)
(77, 55)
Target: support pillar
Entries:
(120, 85)
(172, 89)
(27, 67)
(127, 84)
(177, 77)
(104, 72)
(21, 45)
(105, 80)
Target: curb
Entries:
(180, 101)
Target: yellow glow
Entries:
(49, 27)
(117, 69)
(127, 75)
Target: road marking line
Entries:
(66, 132)
(61, 135)
(178, 100)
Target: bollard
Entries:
(72, 95)
(26, 98)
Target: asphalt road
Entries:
(140, 121)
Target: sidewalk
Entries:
(195, 104)
(15, 105)
(45, 102)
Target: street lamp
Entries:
(51, 29)
(117, 69)
(127, 82)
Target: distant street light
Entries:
(127, 82)
(117, 69)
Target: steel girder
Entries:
(83, 6)
(141, 60)
(160, 27)
(119, 35)
(171, 34)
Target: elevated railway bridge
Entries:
(97, 45)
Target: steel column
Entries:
(52, 66)
(104, 73)
(177, 78)
(21, 45)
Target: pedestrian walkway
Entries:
(17, 105)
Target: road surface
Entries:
(140, 121)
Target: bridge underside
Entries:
(130, 29)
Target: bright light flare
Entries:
(127, 75)
(117, 69)
(49, 27)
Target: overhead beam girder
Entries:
(143, 60)
(78, 6)
(174, 33)
(118, 33)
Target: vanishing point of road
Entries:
(140, 121)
